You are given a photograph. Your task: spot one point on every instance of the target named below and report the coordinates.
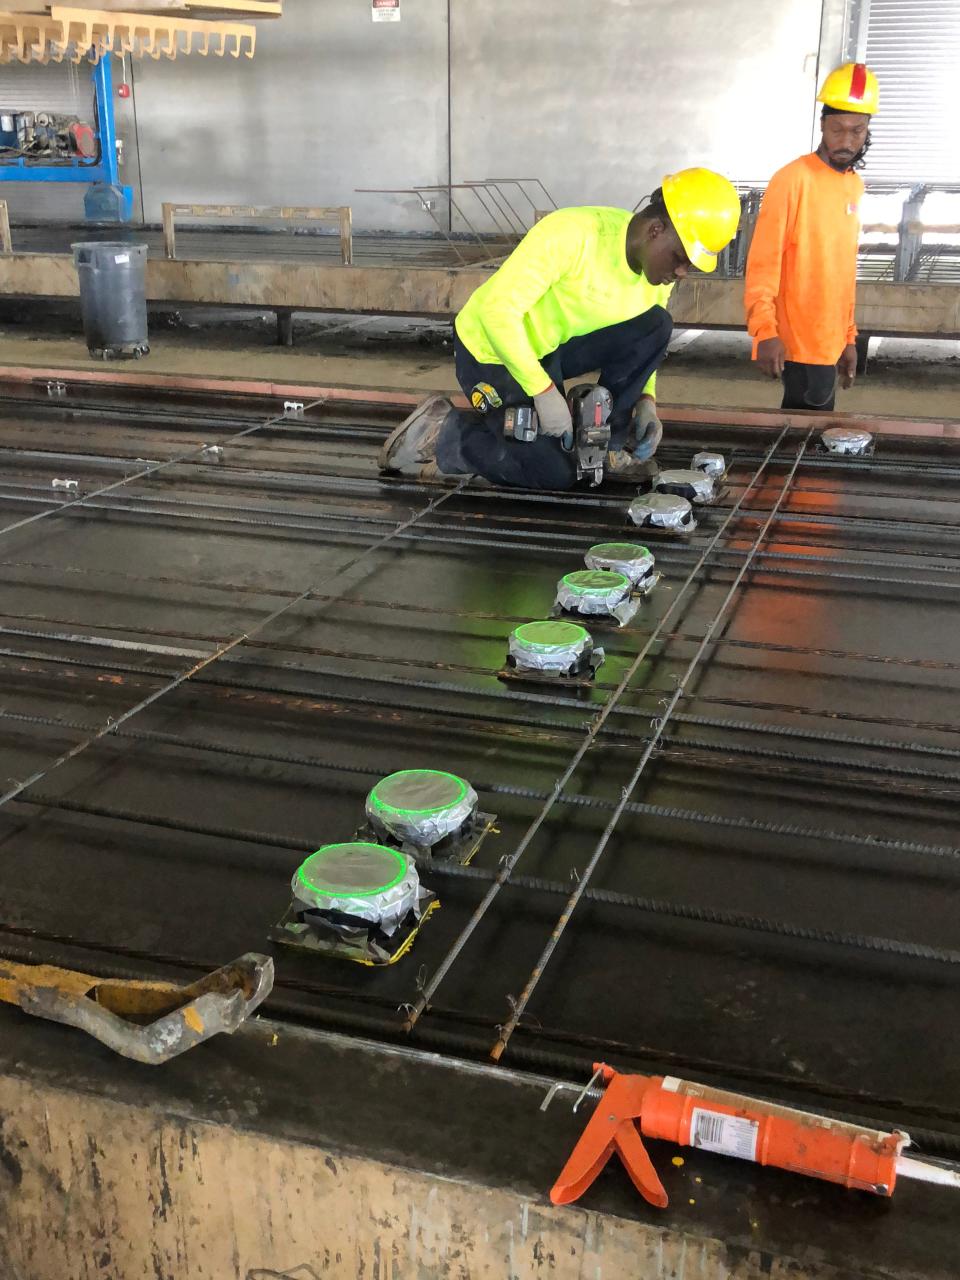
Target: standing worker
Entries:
(802, 268)
(585, 289)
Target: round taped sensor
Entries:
(848, 440)
(712, 464)
(634, 561)
(549, 646)
(592, 591)
(695, 486)
(368, 882)
(420, 806)
(662, 510)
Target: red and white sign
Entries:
(386, 10)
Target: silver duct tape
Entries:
(629, 558)
(420, 806)
(626, 610)
(696, 486)
(846, 440)
(549, 646)
(712, 464)
(366, 881)
(592, 591)
(663, 511)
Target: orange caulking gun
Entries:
(695, 1115)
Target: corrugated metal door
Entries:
(914, 47)
(62, 87)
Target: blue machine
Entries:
(106, 199)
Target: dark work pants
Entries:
(626, 355)
(809, 386)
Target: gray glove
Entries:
(552, 412)
(648, 431)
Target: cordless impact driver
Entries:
(589, 438)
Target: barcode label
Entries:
(728, 1135)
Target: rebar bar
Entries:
(422, 1001)
(20, 787)
(518, 1007)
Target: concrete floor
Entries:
(906, 377)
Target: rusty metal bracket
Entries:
(150, 1022)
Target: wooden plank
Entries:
(160, 8)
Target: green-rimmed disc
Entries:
(413, 792)
(595, 582)
(619, 551)
(355, 869)
(543, 637)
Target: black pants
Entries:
(809, 386)
(626, 355)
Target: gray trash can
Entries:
(113, 298)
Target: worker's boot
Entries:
(623, 467)
(411, 450)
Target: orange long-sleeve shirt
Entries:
(802, 268)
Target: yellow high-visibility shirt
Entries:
(568, 276)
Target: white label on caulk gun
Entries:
(727, 1135)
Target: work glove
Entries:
(553, 414)
(647, 430)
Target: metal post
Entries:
(106, 122)
(910, 240)
(6, 243)
(107, 198)
(169, 231)
(346, 235)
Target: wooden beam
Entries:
(899, 310)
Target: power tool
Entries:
(590, 409)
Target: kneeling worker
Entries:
(585, 289)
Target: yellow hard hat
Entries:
(852, 87)
(705, 210)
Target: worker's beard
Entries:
(856, 162)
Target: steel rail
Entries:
(883, 768)
(483, 692)
(431, 867)
(107, 964)
(428, 538)
(153, 634)
(518, 1007)
(153, 469)
(446, 687)
(423, 999)
(821, 837)
(20, 787)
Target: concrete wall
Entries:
(599, 100)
